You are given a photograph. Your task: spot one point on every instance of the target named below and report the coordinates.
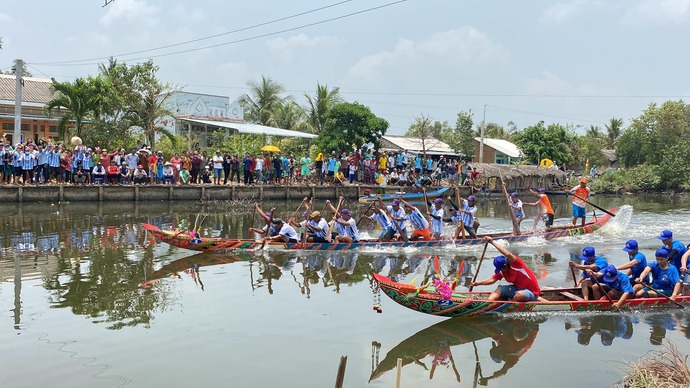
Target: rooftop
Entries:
(502, 146)
(35, 90)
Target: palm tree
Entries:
(262, 101)
(594, 132)
(78, 98)
(151, 109)
(289, 115)
(320, 104)
(496, 131)
(613, 131)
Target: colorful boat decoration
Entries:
(405, 196)
(470, 304)
(182, 239)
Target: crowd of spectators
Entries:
(48, 163)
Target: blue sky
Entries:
(572, 61)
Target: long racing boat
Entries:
(182, 239)
(469, 304)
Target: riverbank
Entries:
(69, 193)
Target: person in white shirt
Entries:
(350, 232)
(317, 228)
(98, 174)
(217, 167)
(286, 234)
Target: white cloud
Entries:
(658, 11)
(552, 84)
(463, 47)
(132, 11)
(564, 11)
(301, 44)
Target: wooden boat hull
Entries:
(405, 196)
(182, 240)
(472, 304)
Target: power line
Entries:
(235, 41)
(201, 39)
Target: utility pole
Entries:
(481, 137)
(19, 69)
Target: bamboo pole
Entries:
(398, 370)
(340, 378)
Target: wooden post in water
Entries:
(398, 369)
(340, 378)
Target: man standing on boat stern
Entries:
(579, 204)
(524, 287)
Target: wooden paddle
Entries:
(395, 223)
(462, 223)
(516, 227)
(600, 287)
(335, 217)
(572, 271)
(474, 279)
(426, 204)
(305, 232)
(295, 214)
(365, 213)
(662, 294)
(593, 205)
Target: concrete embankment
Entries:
(59, 193)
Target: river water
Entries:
(88, 299)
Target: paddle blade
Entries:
(460, 268)
(437, 265)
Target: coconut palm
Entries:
(262, 101)
(149, 111)
(79, 98)
(613, 131)
(289, 115)
(594, 132)
(320, 104)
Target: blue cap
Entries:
(587, 253)
(438, 200)
(541, 190)
(661, 253)
(500, 262)
(395, 202)
(665, 234)
(630, 246)
(610, 274)
(515, 195)
(470, 198)
(345, 212)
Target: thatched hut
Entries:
(519, 177)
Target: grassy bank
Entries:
(665, 368)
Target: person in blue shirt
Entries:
(331, 168)
(637, 261)
(665, 278)
(675, 248)
(418, 164)
(590, 263)
(617, 285)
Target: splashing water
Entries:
(619, 225)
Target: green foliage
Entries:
(497, 131)
(538, 142)
(237, 143)
(634, 146)
(319, 105)
(644, 178)
(588, 147)
(171, 148)
(427, 132)
(80, 98)
(461, 138)
(674, 168)
(613, 132)
(350, 125)
(262, 101)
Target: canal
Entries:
(88, 298)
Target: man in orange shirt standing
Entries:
(547, 210)
(580, 197)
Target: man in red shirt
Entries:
(524, 287)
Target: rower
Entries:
(590, 263)
(524, 287)
(349, 226)
(465, 216)
(436, 215)
(387, 229)
(665, 278)
(286, 233)
(317, 227)
(420, 224)
(269, 229)
(637, 261)
(547, 210)
(617, 286)
(397, 214)
(675, 248)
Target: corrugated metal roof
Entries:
(502, 146)
(414, 144)
(37, 90)
(255, 129)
